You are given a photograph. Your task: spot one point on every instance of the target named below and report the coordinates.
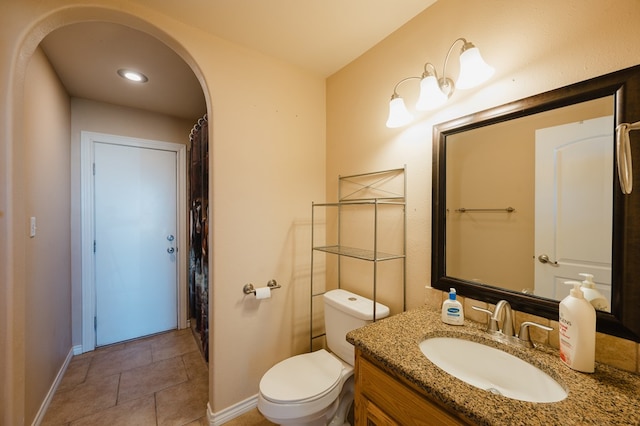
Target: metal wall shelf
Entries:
(358, 253)
(393, 201)
(367, 191)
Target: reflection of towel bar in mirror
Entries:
(507, 209)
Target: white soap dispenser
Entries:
(577, 329)
(452, 311)
(592, 294)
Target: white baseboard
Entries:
(230, 413)
(77, 349)
(52, 390)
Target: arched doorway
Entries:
(18, 264)
(88, 58)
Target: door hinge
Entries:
(94, 246)
(94, 168)
(95, 323)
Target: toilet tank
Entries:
(345, 311)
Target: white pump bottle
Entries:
(452, 310)
(592, 294)
(577, 330)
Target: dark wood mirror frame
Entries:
(624, 319)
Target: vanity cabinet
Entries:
(384, 400)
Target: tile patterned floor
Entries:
(159, 380)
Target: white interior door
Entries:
(135, 193)
(574, 202)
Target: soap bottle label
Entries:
(452, 311)
(565, 339)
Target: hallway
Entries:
(159, 380)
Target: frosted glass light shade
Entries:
(431, 97)
(398, 113)
(473, 69)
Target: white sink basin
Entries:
(491, 369)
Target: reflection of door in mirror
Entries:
(491, 168)
(573, 205)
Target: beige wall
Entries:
(48, 255)
(268, 163)
(534, 45)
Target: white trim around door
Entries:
(87, 142)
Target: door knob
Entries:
(543, 258)
(170, 237)
(171, 250)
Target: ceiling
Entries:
(321, 36)
(87, 57)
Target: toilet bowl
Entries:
(316, 389)
(304, 389)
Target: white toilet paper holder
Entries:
(249, 288)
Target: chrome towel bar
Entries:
(507, 209)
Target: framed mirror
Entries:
(526, 196)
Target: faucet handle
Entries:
(524, 336)
(493, 323)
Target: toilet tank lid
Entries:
(355, 305)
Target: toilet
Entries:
(316, 389)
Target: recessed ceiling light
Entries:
(134, 76)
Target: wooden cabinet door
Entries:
(372, 415)
(382, 400)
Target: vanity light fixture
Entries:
(623, 157)
(399, 115)
(434, 90)
(135, 76)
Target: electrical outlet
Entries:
(32, 227)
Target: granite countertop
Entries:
(607, 397)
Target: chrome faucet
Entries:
(505, 331)
(507, 319)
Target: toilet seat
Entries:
(302, 378)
